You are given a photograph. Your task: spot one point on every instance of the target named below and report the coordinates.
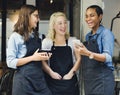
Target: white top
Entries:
(48, 43)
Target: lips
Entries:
(90, 23)
(62, 30)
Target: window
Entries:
(47, 7)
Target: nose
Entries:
(64, 25)
(87, 18)
(38, 19)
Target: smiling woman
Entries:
(97, 52)
(22, 54)
(60, 73)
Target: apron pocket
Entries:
(63, 85)
(37, 84)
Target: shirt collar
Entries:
(98, 31)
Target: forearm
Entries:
(96, 56)
(46, 67)
(25, 60)
(75, 66)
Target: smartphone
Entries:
(77, 42)
(48, 51)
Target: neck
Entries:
(94, 29)
(60, 40)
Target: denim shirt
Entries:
(105, 42)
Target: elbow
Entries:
(108, 58)
(11, 64)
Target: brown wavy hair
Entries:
(22, 25)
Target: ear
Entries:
(100, 17)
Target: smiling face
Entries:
(60, 25)
(33, 20)
(92, 18)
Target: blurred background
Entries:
(75, 11)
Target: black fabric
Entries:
(6, 82)
(61, 62)
(97, 77)
(29, 78)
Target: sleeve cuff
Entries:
(108, 57)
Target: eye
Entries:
(86, 16)
(36, 15)
(92, 15)
(65, 22)
(59, 23)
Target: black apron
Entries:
(97, 77)
(62, 62)
(29, 78)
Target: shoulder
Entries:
(107, 33)
(15, 36)
(47, 40)
(47, 43)
(15, 40)
(71, 41)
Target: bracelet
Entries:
(91, 56)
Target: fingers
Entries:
(55, 75)
(81, 45)
(37, 56)
(59, 77)
(45, 54)
(49, 54)
(76, 45)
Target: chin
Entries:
(90, 26)
(34, 27)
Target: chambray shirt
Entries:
(16, 49)
(105, 42)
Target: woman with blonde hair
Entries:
(61, 67)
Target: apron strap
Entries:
(66, 43)
(95, 38)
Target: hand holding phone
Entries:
(78, 42)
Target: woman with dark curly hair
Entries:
(97, 52)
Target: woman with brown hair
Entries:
(24, 56)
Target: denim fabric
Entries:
(105, 42)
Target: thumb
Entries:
(37, 50)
